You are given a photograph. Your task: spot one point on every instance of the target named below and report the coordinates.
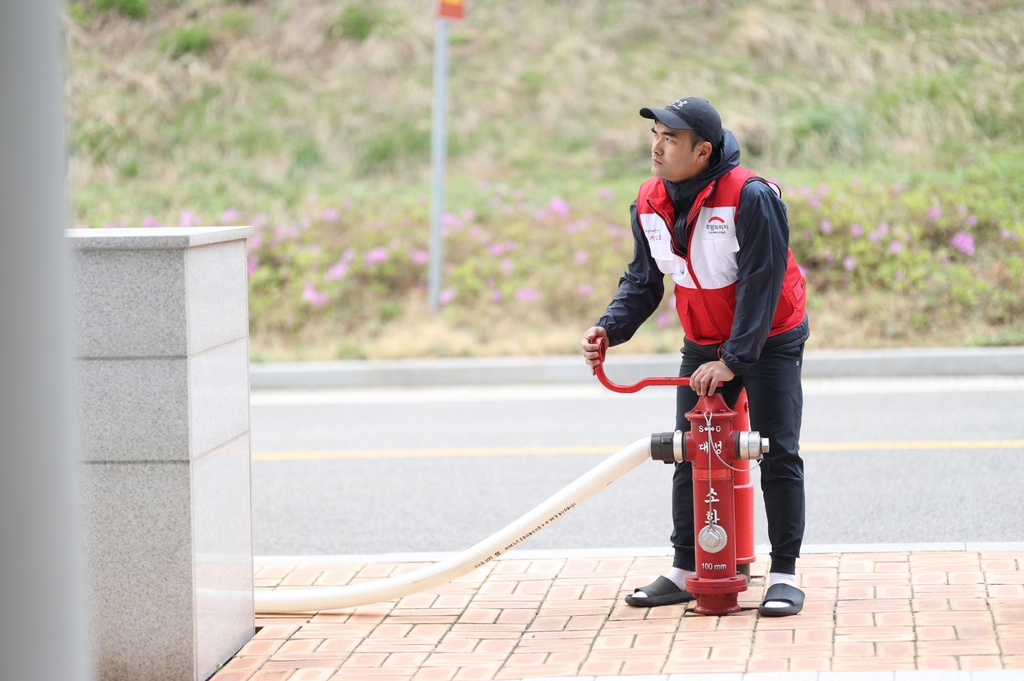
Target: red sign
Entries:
(451, 9)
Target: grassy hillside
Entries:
(310, 118)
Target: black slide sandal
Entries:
(662, 591)
(785, 593)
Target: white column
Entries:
(42, 621)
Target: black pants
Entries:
(776, 405)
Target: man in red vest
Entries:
(721, 233)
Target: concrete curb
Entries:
(915, 675)
(621, 368)
(638, 552)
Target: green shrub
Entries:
(136, 9)
(822, 133)
(307, 155)
(237, 22)
(130, 167)
(79, 12)
(355, 23)
(394, 145)
(191, 40)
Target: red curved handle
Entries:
(635, 387)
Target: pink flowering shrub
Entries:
(958, 256)
(510, 254)
(505, 254)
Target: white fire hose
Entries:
(286, 599)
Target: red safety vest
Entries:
(706, 277)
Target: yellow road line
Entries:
(908, 445)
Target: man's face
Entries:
(673, 156)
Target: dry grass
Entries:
(419, 334)
(837, 320)
(799, 81)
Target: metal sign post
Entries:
(447, 9)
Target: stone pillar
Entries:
(162, 363)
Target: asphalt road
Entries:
(897, 460)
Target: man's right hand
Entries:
(592, 341)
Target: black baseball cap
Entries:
(690, 113)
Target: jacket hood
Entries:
(728, 158)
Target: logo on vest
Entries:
(716, 227)
(654, 228)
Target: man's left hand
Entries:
(708, 376)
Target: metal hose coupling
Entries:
(750, 445)
(667, 447)
(670, 447)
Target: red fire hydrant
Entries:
(714, 447)
(720, 455)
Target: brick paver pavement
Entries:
(514, 619)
